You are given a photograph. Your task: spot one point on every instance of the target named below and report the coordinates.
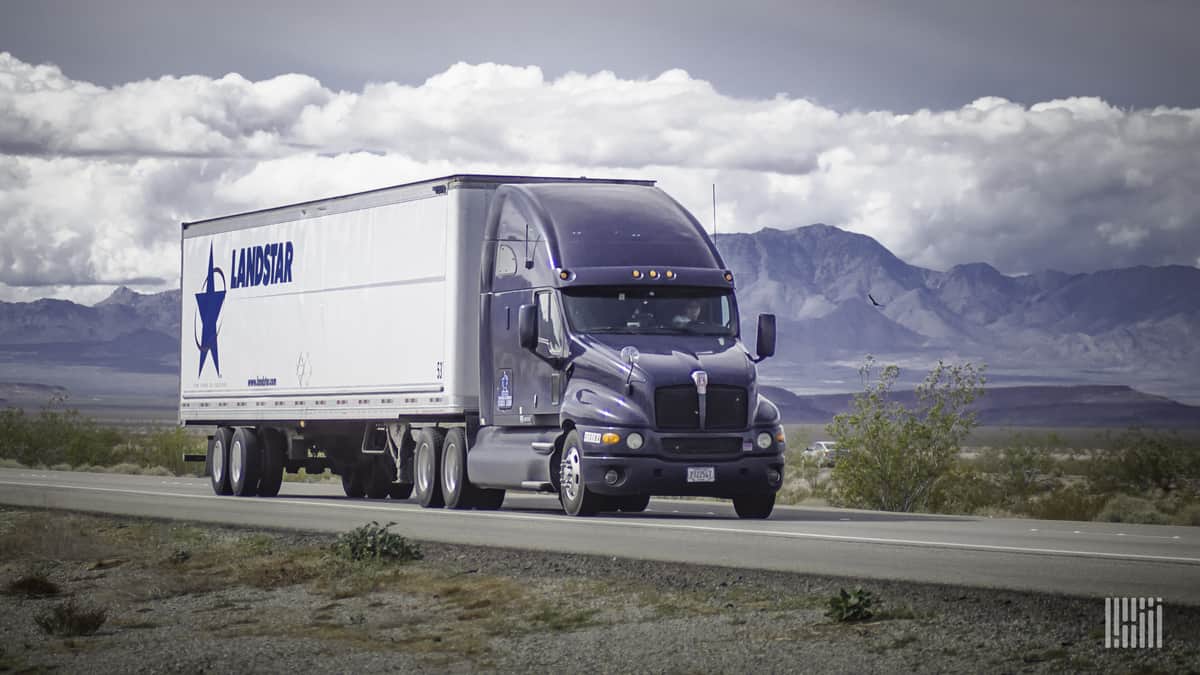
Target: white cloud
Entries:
(94, 180)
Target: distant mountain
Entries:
(840, 295)
(1072, 406)
(128, 331)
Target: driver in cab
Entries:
(689, 315)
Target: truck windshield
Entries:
(651, 311)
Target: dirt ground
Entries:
(180, 597)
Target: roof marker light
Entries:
(564, 275)
(670, 274)
(637, 274)
(653, 274)
(729, 277)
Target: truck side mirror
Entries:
(527, 325)
(766, 336)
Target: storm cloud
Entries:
(94, 180)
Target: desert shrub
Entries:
(896, 455)
(1070, 502)
(32, 585)
(855, 605)
(376, 542)
(1188, 515)
(809, 469)
(964, 489)
(1143, 460)
(1128, 509)
(1022, 469)
(792, 492)
(165, 448)
(55, 437)
(69, 619)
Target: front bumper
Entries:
(659, 467)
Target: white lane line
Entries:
(629, 523)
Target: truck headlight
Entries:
(634, 440)
(764, 440)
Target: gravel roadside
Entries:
(188, 598)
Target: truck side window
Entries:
(550, 323)
(506, 261)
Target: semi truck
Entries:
(452, 339)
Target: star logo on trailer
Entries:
(208, 309)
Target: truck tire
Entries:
(379, 474)
(576, 499)
(754, 506)
(352, 482)
(274, 454)
(489, 499)
(427, 461)
(632, 503)
(245, 463)
(400, 490)
(218, 459)
(457, 491)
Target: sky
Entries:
(1028, 135)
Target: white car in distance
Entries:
(825, 452)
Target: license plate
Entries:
(701, 474)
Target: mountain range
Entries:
(837, 295)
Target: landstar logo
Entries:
(250, 266)
(208, 308)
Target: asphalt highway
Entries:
(1083, 559)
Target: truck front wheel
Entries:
(428, 467)
(754, 506)
(218, 459)
(576, 499)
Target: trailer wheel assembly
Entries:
(273, 457)
(457, 491)
(245, 463)
(218, 459)
(428, 467)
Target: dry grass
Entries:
(433, 610)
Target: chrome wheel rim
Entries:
(571, 474)
(218, 461)
(235, 461)
(450, 468)
(424, 468)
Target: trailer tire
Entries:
(245, 463)
(400, 490)
(352, 482)
(576, 499)
(218, 460)
(380, 472)
(427, 460)
(756, 507)
(489, 499)
(457, 491)
(274, 455)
